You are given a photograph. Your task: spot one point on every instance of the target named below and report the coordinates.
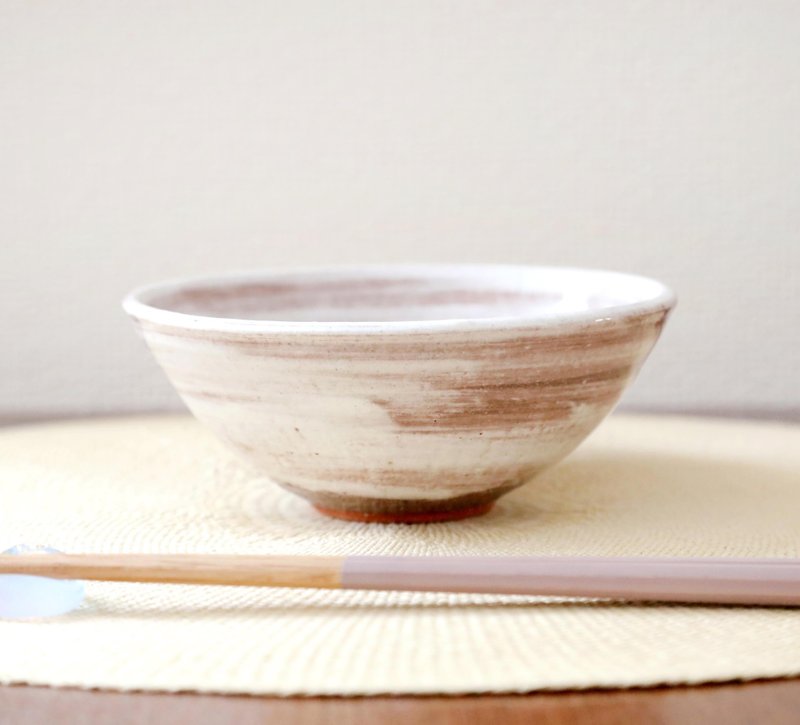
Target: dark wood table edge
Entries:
(757, 701)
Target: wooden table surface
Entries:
(773, 702)
(759, 703)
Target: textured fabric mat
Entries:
(638, 486)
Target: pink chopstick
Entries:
(714, 581)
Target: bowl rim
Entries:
(136, 304)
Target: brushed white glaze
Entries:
(403, 409)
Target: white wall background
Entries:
(145, 139)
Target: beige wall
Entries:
(142, 140)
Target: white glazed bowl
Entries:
(409, 393)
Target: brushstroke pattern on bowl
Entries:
(402, 394)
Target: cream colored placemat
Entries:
(639, 486)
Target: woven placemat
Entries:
(639, 486)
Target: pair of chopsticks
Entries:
(773, 582)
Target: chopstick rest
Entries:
(24, 596)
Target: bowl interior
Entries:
(397, 294)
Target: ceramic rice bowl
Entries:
(402, 394)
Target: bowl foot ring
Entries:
(406, 517)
